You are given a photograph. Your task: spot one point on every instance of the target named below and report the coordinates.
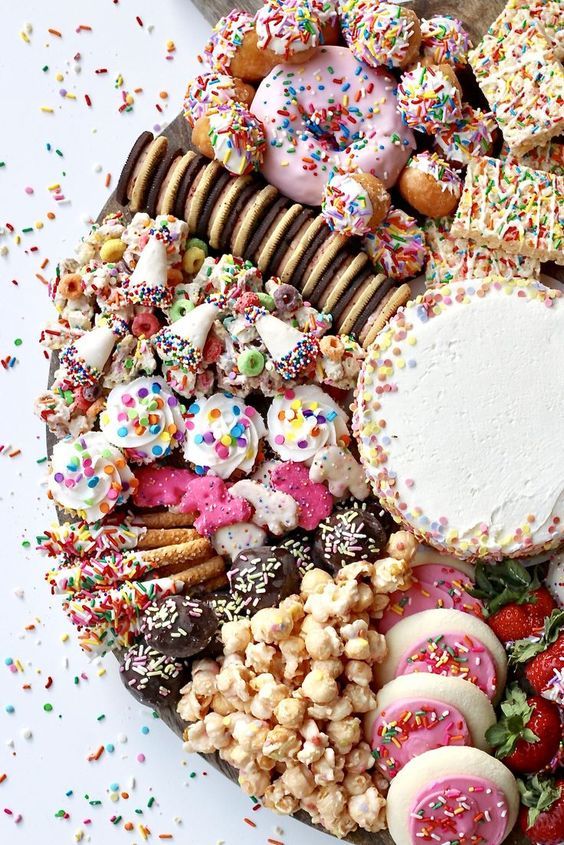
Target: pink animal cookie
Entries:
(161, 486)
(314, 499)
(208, 496)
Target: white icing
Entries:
(223, 435)
(76, 464)
(296, 434)
(287, 28)
(473, 420)
(144, 418)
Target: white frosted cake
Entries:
(459, 418)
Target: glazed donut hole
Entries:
(430, 185)
(382, 34)
(354, 203)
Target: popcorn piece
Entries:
(514, 208)
(521, 78)
(368, 810)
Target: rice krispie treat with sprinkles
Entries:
(514, 208)
(452, 259)
(444, 39)
(521, 78)
(397, 247)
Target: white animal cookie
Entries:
(341, 471)
(274, 509)
(232, 539)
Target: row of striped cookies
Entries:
(244, 216)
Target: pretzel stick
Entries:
(165, 519)
(154, 538)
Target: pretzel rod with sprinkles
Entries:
(101, 573)
(117, 611)
(510, 207)
(78, 539)
(521, 78)
(458, 259)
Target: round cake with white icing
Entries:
(458, 416)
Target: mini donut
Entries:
(430, 186)
(470, 137)
(213, 89)
(415, 714)
(330, 112)
(288, 30)
(354, 203)
(452, 795)
(328, 15)
(233, 49)
(381, 33)
(444, 39)
(397, 247)
(233, 136)
(445, 642)
(430, 97)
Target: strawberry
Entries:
(542, 657)
(515, 603)
(527, 736)
(542, 816)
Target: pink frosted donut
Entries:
(329, 111)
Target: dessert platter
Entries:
(304, 418)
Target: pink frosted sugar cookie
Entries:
(449, 643)
(416, 714)
(315, 500)
(452, 795)
(439, 581)
(329, 111)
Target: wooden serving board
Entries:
(477, 15)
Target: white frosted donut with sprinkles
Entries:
(330, 111)
(458, 415)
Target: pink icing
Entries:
(314, 499)
(409, 727)
(330, 110)
(209, 497)
(433, 586)
(161, 486)
(463, 810)
(454, 654)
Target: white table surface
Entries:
(44, 754)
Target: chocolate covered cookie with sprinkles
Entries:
(348, 536)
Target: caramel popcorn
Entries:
(285, 703)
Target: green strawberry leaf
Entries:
(539, 794)
(525, 649)
(503, 583)
(512, 726)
